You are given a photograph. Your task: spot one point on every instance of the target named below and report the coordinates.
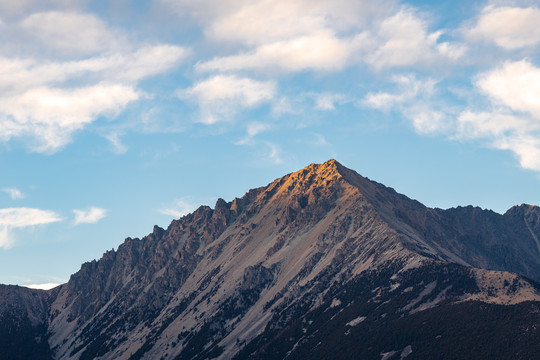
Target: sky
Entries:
(119, 115)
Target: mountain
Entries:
(321, 263)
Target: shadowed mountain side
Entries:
(467, 235)
(23, 323)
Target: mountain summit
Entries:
(321, 263)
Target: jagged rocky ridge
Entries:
(320, 263)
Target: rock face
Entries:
(322, 263)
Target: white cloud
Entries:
(515, 84)
(178, 209)
(13, 218)
(408, 88)
(327, 101)
(508, 27)
(321, 36)
(414, 99)
(14, 193)
(220, 96)
(504, 131)
(284, 105)
(510, 121)
(245, 91)
(497, 123)
(6, 239)
(316, 35)
(80, 71)
(44, 286)
(23, 217)
(10, 7)
(146, 61)
(291, 35)
(71, 32)
(274, 153)
(89, 216)
(253, 129)
(267, 21)
(321, 50)
(34, 103)
(52, 115)
(404, 40)
(513, 122)
(118, 146)
(427, 120)
(129, 67)
(256, 128)
(202, 11)
(452, 51)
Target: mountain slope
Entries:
(23, 330)
(467, 235)
(316, 255)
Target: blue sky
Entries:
(118, 115)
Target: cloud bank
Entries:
(284, 59)
(73, 69)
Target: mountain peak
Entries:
(330, 170)
(314, 177)
(331, 164)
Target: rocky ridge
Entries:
(243, 279)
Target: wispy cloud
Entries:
(403, 40)
(178, 208)
(221, 96)
(253, 129)
(414, 99)
(22, 217)
(118, 146)
(508, 27)
(408, 88)
(274, 153)
(513, 120)
(71, 32)
(327, 101)
(89, 216)
(14, 193)
(319, 51)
